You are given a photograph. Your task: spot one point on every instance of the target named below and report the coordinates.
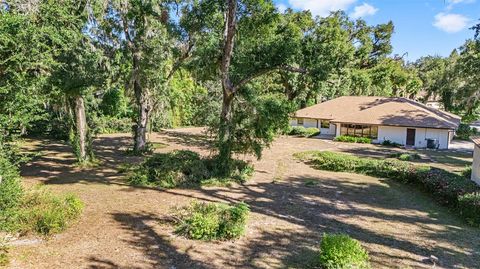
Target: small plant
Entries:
(340, 251)
(353, 139)
(406, 156)
(4, 259)
(305, 132)
(211, 221)
(311, 182)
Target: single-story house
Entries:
(476, 160)
(396, 119)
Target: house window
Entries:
(360, 130)
(325, 124)
(299, 121)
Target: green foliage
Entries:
(11, 190)
(464, 132)
(340, 251)
(42, 212)
(4, 259)
(114, 104)
(467, 172)
(390, 143)
(469, 204)
(305, 132)
(405, 156)
(213, 221)
(446, 187)
(353, 139)
(111, 125)
(184, 168)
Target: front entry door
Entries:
(410, 137)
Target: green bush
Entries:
(4, 259)
(42, 212)
(406, 156)
(211, 221)
(464, 132)
(389, 143)
(446, 187)
(11, 190)
(340, 251)
(470, 205)
(305, 132)
(110, 125)
(353, 139)
(185, 168)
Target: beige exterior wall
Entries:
(399, 135)
(308, 123)
(476, 165)
(394, 134)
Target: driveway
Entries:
(462, 145)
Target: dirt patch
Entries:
(292, 205)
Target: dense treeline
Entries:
(73, 69)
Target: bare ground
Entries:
(124, 227)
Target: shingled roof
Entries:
(371, 110)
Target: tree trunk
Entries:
(225, 130)
(140, 143)
(141, 99)
(81, 124)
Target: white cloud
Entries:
(321, 7)
(452, 3)
(450, 23)
(364, 10)
(281, 8)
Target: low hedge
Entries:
(448, 188)
(212, 221)
(305, 132)
(342, 251)
(353, 139)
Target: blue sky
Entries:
(422, 27)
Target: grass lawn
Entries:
(292, 205)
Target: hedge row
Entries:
(448, 188)
(353, 139)
(302, 131)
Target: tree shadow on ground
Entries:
(343, 206)
(57, 164)
(143, 237)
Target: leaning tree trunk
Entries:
(81, 125)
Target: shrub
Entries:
(305, 132)
(389, 143)
(406, 156)
(43, 213)
(446, 187)
(464, 132)
(469, 205)
(185, 168)
(341, 251)
(210, 221)
(110, 125)
(11, 190)
(353, 139)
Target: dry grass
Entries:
(292, 205)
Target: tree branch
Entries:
(262, 72)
